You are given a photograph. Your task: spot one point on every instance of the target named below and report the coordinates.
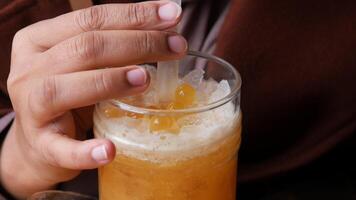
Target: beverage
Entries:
(171, 151)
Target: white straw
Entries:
(167, 76)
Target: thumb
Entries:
(64, 152)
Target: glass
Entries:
(59, 195)
(197, 162)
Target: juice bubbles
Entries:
(182, 150)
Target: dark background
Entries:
(331, 177)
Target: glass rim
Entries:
(149, 111)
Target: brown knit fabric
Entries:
(16, 14)
(298, 66)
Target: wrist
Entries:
(19, 176)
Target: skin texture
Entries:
(62, 66)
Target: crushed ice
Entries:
(194, 78)
(221, 91)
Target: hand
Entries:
(62, 64)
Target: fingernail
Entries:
(99, 153)
(136, 77)
(170, 11)
(177, 44)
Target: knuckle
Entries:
(19, 35)
(11, 83)
(103, 83)
(75, 158)
(16, 78)
(12, 86)
(42, 99)
(49, 90)
(17, 85)
(88, 46)
(138, 14)
(146, 43)
(91, 18)
(48, 153)
(19, 38)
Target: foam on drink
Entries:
(196, 134)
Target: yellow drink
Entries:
(210, 176)
(180, 150)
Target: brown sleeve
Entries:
(15, 15)
(298, 66)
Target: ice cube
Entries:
(204, 91)
(188, 120)
(224, 112)
(194, 78)
(221, 91)
(149, 97)
(208, 86)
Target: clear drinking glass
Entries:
(196, 161)
(59, 195)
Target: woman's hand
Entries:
(62, 64)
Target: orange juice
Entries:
(181, 150)
(210, 176)
(205, 169)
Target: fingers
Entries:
(64, 152)
(154, 15)
(57, 94)
(92, 50)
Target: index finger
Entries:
(155, 15)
